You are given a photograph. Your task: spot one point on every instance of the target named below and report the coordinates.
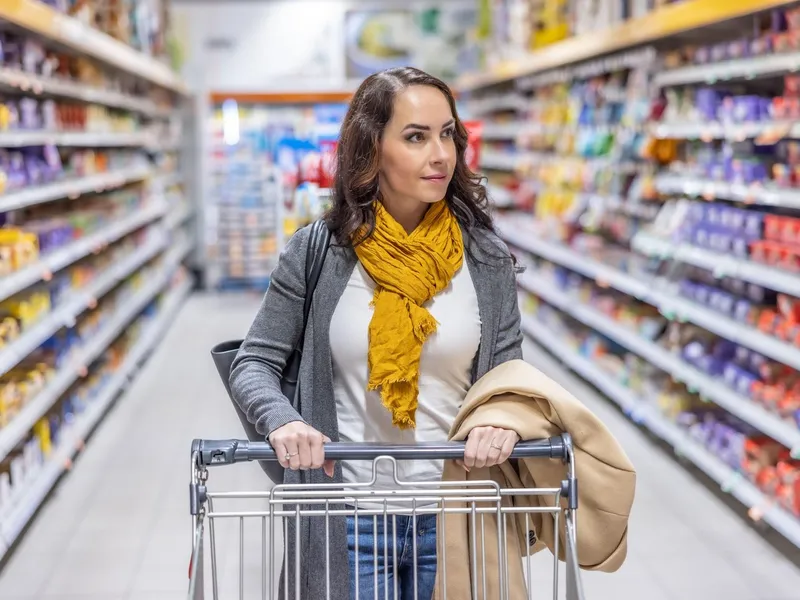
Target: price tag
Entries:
(83, 372)
(47, 275)
(756, 513)
(92, 303)
(68, 464)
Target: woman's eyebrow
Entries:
(426, 127)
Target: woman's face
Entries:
(418, 152)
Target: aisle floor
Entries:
(118, 528)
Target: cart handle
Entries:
(225, 452)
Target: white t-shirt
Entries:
(445, 376)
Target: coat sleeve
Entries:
(256, 372)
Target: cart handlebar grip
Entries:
(225, 452)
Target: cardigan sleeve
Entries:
(256, 372)
(509, 333)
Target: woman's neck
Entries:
(408, 213)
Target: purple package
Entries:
(740, 246)
(738, 48)
(746, 109)
(29, 117)
(724, 349)
(725, 303)
(707, 101)
(17, 178)
(703, 293)
(730, 374)
(756, 293)
(713, 214)
(33, 167)
(745, 382)
(757, 361)
(720, 241)
(701, 236)
(719, 52)
(753, 225)
(49, 117)
(702, 55)
(52, 159)
(741, 310)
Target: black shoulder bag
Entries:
(225, 353)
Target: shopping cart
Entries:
(479, 501)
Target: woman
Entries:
(415, 302)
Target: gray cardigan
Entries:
(255, 374)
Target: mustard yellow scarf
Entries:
(409, 270)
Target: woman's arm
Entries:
(509, 334)
(256, 371)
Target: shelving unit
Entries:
(630, 153)
(93, 246)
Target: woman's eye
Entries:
(448, 133)
(415, 137)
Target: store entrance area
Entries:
(118, 526)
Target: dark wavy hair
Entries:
(352, 214)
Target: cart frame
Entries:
(475, 499)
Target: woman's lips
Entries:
(436, 178)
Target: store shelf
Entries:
(58, 259)
(661, 23)
(18, 81)
(710, 130)
(722, 265)
(670, 183)
(500, 197)
(178, 215)
(21, 138)
(71, 189)
(644, 414)
(43, 20)
(22, 423)
(531, 241)
(71, 307)
(670, 305)
(743, 68)
(26, 504)
(500, 161)
(502, 131)
(705, 385)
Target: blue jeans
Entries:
(371, 537)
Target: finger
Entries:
(328, 467)
(317, 450)
(281, 452)
(484, 448)
(304, 448)
(471, 449)
(508, 447)
(495, 449)
(461, 464)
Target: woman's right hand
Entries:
(300, 446)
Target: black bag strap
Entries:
(317, 250)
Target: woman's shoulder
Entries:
(488, 244)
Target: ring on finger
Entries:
(495, 446)
(289, 455)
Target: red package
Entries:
(474, 140)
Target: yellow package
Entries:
(24, 246)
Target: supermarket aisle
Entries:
(118, 526)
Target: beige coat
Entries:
(517, 396)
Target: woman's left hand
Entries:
(488, 446)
